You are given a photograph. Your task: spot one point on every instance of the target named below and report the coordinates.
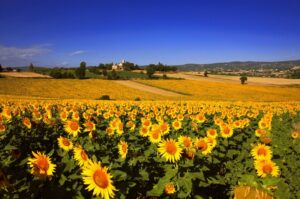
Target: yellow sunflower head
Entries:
(144, 130)
(41, 165)
(266, 167)
(295, 134)
(72, 127)
(155, 134)
(170, 188)
(123, 149)
(164, 127)
(2, 128)
(185, 141)
(176, 124)
(26, 122)
(203, 145)
(98, 180)
(261, 152)
(212, 133)
(170, 150)
(81, 156)
(89, 126)
(64, 143)
(226, 131)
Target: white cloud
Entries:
(78, 52)
(10, 53)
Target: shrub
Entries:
(243, 79)
(104, 97)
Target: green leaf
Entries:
(10, 147)
(185, 184)
(119, 175)
(62, 179)
(159, 187)
(144, 174)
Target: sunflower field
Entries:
(124, 149)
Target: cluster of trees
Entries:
(152, 68)
(294, 75)
(59, 73)
(161, 67)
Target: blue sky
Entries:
(63, 33)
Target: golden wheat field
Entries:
(190, 90)
(204, 90)
(71, 89)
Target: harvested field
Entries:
(24, 75)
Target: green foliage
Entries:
(144, 172)
(104, 97)
(31, 67)
(80, 72)
(243, 79)
(150, 70)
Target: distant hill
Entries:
(236, 65)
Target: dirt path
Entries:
(147, 88)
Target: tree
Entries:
(1, 69)
(31, 67)
(113, 75)
(150, 71)
(80, 72)
(243, 79)
(205, 74)
(104, 72)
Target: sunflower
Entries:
(261, 152)
(226, 131)
(265, 167)
(164, 127)
(2, 128)
(110, 131)
(176, 124)
(119, 128)
(81, 156)
(294, 134)
(211, 141)
(41, 165)
(63, 116)
(212, 133)
(260, 132)
(26, 122)
(75, 116)
(144, 131)
(123, 149)
(131, 125)
(170, 150)
(146, 122)
(72, 127)
(64, 143)
(170, 188)
(263, 124)
(98, 180)
(185, 141)
(89, 126)
(200, 118)
(155, 134)
(203, 145)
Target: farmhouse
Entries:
(118, 66)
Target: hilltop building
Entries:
(118, 66)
